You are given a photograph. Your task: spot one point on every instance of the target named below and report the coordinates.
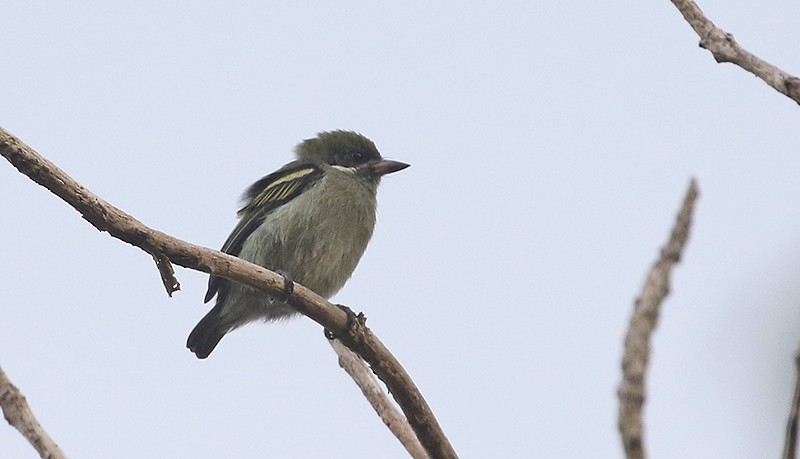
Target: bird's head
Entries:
(350, 151)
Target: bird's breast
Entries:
(319, 237)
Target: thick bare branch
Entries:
(725, 49)
(790, 443)
(377, 397)
(19, 414)
(359, 338)
(645, 317)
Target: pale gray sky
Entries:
(551, 144)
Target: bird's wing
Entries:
(260, 199)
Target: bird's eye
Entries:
(351, 158)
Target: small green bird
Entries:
(310, 221)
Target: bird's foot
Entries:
(351, 321)
(288, 287)
(288, 284)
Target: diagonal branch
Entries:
(377, 397)
(725, 49)
(790, 443)
(645, 316)
(359, 338)
(19, 414)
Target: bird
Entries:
(310, 221)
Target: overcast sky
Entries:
(551, 144)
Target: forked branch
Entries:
(162, 247)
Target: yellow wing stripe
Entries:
(282, 187)
(290, 177)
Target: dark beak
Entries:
(387, 166)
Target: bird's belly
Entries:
(319, 251)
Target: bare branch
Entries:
(725, 49)
(645, 316)
(790, 443)
(359, 338)
(167, 273)
(19, 414)
(376, 395)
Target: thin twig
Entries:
(790, 443)
(376, 395)
(167, 273)
(19, 415)
(359, 338)
(725, 49)
(645, 317)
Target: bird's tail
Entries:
(206, 335)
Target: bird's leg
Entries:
(351, 320)
(288, 286)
